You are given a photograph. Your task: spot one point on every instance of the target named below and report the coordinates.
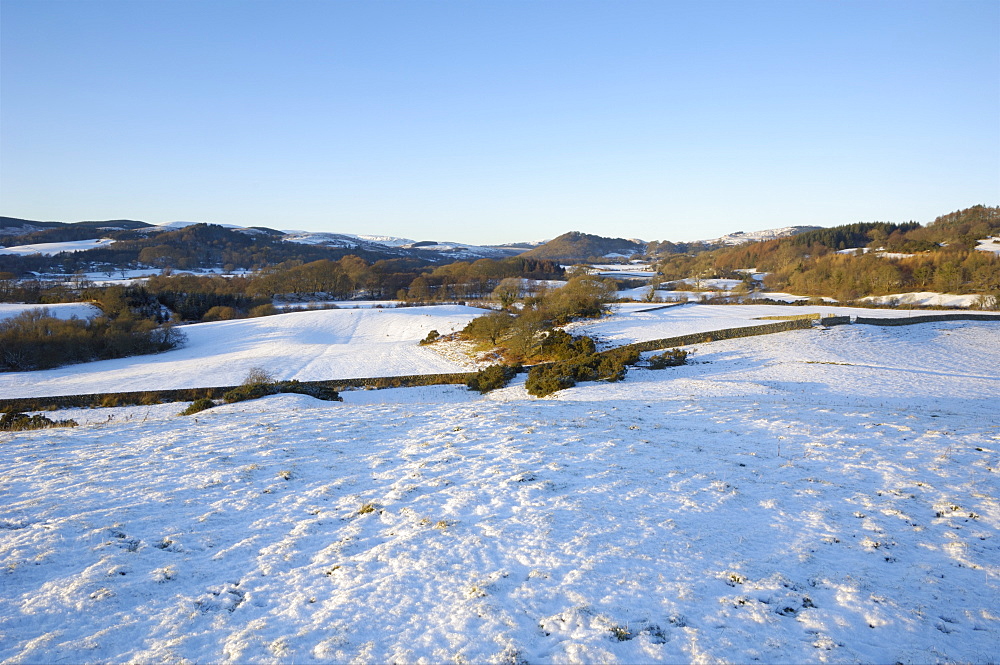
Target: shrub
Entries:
(13, 421)
(491, 378)
(560, 345)
(250, 391)
(672, 358)
(222, 313)
(257, 376)
(317, 391)
(546, 379)
(198, 405)
(605, 366)
(432, 337)
(258, 390)
(267, 309)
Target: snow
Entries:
(342, 304)
(63, 310)
(637, 323)
(52, 248)
(741, 237)
(627, 271)
(714, 284)
(926, 298)
(781, 296)
(355, 240)
(809, 497)
(989, 245)
(308, 346)
(173, 226)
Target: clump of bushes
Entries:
(13, 421)
(197, 406)
(35, 340)
(546, 379)
(491, 378)
(672, 358)
(560, 345)
(258, 383)
(432, 337)
(604, 366)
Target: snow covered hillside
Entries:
(52, 248)
(62, 310)
(804, 497)
(638, 322)
(325, 344)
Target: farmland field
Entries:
(809, 496)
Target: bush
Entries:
(546, 379)
(605, 366)
(672, 358)
(491, 378)
(13, 421)
(432, 337)
(257, 376)
(198, 405)
(250, 391)
(258, 390)
(222, 313)
(560, 345)
(317, 391)
(267, 309)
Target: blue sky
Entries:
(498, 121)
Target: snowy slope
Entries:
(741, 237)
(989, 245)
(52, 248)
(927, 298)
(326, 344)
(63, 310)
(350, 240)
(634, 323)
(766, 504)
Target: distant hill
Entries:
(576, 246)
(740, 237)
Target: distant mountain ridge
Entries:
(16, 231)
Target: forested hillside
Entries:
(576, 246)
(889, 258)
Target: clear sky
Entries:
(494, 121)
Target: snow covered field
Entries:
(637, 322)
(316, 345)
(62, 310)
(927, 298)
(811, 496)
(52, 248)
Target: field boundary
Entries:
(925, 318)
(150, 397)
(717, 335)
